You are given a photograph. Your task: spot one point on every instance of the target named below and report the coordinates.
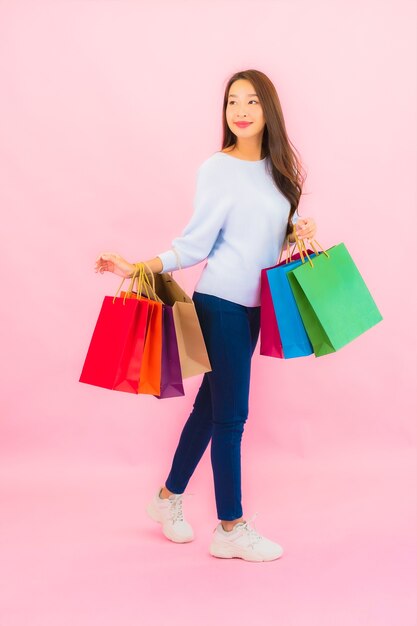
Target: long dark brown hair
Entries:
(282, 157)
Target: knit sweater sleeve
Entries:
(209, 214)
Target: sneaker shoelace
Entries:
(176, 507)
(252, 534)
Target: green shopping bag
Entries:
(334, 302)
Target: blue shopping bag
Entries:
(294, 338)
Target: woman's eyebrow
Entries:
(235, 96)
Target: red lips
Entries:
(243, 124)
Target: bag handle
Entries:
(143, 283)
(141, 266)
(299, 244)
(310, 241)
(301, 247)
(129, 289)
(142, 280)
(289, 251)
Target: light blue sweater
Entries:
(238, 225)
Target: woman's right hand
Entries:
(112, 262)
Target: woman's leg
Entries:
(230, 333)
(197, 431)
(254, 323)
(193, 441)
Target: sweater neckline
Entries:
(241, 160)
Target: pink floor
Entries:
(77, 547)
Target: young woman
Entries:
(244, 207)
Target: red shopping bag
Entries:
(115, 352)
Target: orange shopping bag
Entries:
(150, 371)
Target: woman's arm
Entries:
(155, 265)
(197, 238)
(113, 262)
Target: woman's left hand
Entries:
(305, 228)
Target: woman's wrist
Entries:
(130, 274)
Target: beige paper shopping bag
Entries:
(192, 350)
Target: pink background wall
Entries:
(106, 111)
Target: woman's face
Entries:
(243, 105)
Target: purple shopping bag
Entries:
(171, 379)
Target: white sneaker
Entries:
(243, 542)
(168, 512)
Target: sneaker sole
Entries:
(228, 552)
(154, 514)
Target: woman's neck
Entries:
(250, 150)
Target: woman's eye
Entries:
(231, 101)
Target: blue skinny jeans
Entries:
(220, 408)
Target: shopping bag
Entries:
(282, 330)
(192, 350)
(150, 371)
(270, 343)
(114, 356)
(171, 380)
(333, 299)
(294, 338)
